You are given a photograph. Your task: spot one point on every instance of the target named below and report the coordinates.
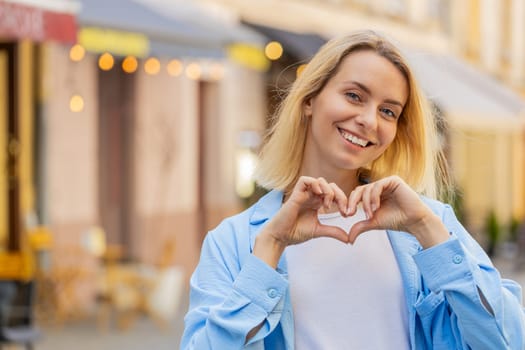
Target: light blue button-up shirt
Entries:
(456, 298)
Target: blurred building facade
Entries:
(168, 106)
(25, 27)
(127, 127)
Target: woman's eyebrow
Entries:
(367, 90)
(360, 85)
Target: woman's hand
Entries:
(297, 221)
(391, 204)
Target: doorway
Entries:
(116, 91)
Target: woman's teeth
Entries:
(355, 140)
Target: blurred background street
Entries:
(131, 127)
(143, 335)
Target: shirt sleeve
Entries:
(228, 300)
(486, 310)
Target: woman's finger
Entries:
(331, 232)
(328, 192)
(375, 197)
(354, 199)
(358, 228)
(365, 200)
(340, 198)
(307, 188)
(312, 185)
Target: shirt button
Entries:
(272, 293)
(457, 259)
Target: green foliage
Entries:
(457, 203)
(514, 227)
(257, 194)
(493, 230)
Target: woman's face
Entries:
(354, 117)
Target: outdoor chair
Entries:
(16, 314)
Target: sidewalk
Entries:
(142, 335)
(508, 269)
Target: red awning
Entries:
(20, 21)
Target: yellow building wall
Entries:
(26, 131)
(477, 185)
(518, 183)
(26, 134)
(3, 146)
(488, 167)
(473, 44)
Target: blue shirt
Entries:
(456, 298)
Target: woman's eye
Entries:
(353, 96)
(388, 112)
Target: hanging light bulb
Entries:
(193, 71)
(152, 66)
(174, 68)
(76, 103)
(106, 61)
(273, 50)
(77, 53)
(130, 64)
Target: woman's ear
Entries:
(307, 107)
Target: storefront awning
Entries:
(469, 97)
(301, 46)
(38, 21)
(166, 33)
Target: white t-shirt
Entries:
(344, 296)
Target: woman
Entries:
(348, 250)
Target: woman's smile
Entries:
(354, 139)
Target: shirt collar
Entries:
(266, 207)
(263, 210)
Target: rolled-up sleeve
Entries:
(228, 300)
(486, 310)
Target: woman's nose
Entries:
(368, 118)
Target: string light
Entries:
(216, 71)
(77, 53)
(300, 70)
(273, 50)
(76, 103)
(193, 71)
(106, 61)
(152, 66)
(130, 64)
(174, 68)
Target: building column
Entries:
(517, 44)
(502, 189)
(518, 163)
(490, 30)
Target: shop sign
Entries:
(117, 42)
(249, 56)
(26, 22)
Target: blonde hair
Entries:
(415, 154)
